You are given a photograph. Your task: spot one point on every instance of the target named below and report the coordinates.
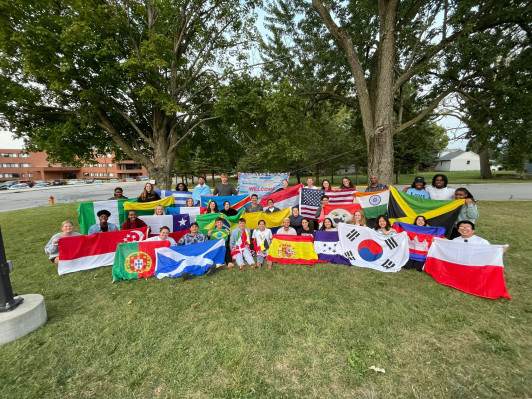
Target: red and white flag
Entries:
(88, 252)
(283, 199)
(472, 268)
(341, 197)
(338, 213)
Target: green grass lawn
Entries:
(292, 331)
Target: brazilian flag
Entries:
(404, 208)
(206, 221)
(218, 234)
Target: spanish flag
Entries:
(404, 208)
(292, 250)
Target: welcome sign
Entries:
(260, 183)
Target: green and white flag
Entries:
(87, 212)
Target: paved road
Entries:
(31, 198)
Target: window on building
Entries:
(11, 175)
(111, 174)
(30, 174)
(1, 175)
(10, 165)
(109, 165)
(24, 175)
(25, 165)
(109, 155)
(468, 162)
(8, 155)
(23, 155)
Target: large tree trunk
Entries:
(485, 169)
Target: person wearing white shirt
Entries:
(163, 236)
(439, 189)
(467, 234)
(310, 183)
(286, 229)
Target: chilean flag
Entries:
(88, 252)
(179, 225)
(472, 268)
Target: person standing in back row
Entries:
(374, 184)
(439, 189)
(224, 189)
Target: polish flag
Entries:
(473, 268)
(88, 252)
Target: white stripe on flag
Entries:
(85, 263)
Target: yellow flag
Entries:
(272, 219)
(142, 206)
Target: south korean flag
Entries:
(364, 247)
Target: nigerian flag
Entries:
(134, 260)
(87, 212)
(206, 221)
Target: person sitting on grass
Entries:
(305, 229)
(420, 221)
(383, 226)
(286, 229)
(239, 245)
(133, 222)
(328, 225)
(271, 208)
(221, 232)
(103, 226)
(164, 232)
(193, 237)
(263, 239)
(52, 248)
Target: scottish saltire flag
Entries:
(327, 247)
(88, 252)
(283, 199)
(206, 221)
(87, 212)
(237, 201)
(193, 258)
(419, 238)
(179, 225)
(363, 247)
(340, 213)
(309, 201)
(191, 211)
(179, 196)
(149, 206)
(472, 268)
(341, 197)
(273, 220)
(404, 208)
(135, 260)
(292, 250)
(373, 204)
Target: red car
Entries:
(30, 183)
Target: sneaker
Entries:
(211, 270)
(188, 276)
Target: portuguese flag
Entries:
(134, 260)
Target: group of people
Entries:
(237, 242)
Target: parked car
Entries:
(3, 187)
(42, 184)
(97, 182)
(89, 180)
(113, 181)
(59, 182)
(9, 183)
(19, 186)
(142, 178)
(30, 183)
(129, 180)
(76, 181)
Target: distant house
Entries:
(457, 160)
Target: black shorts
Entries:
(53, 259)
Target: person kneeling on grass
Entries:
(193, 237)
(103, 226)
(221, 232)
(263, 239)
(164, 231)
(239, 245)
(52, 248)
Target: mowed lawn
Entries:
(289, 332)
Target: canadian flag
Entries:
(88, 252)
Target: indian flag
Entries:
(134, 260)
(373, 204)
(87, 212)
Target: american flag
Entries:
(309, 201)
(341, 197)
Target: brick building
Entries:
(16, 164)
